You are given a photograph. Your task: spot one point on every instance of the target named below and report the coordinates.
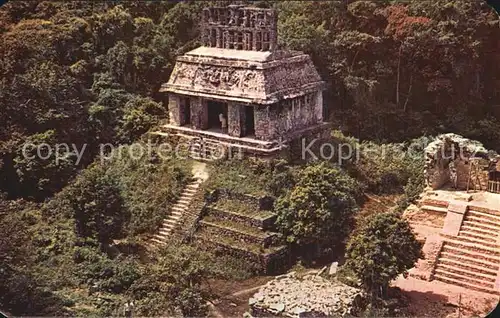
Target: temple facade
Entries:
(239, 90)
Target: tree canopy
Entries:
(319, 208)
(384, 248)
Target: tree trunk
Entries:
(399, 74)
(409, 93)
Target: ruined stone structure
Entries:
(239, 90)
(461, 163)
(461, 222)
(308, 296)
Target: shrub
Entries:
(384, 248)
(319, 208)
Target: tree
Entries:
(173, 284)
(319, 208)
(97, 205)
(41, 166)
(384, 248)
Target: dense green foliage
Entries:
(384, 248)
(401, 69)
(66, 244)
(319, 208)
(81, 73)
(88, 73)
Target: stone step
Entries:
(160, 237)
(465, 284)
(433, 208)
(475, 235)
(180, 206)
(157, 242)
(473, 246)
(479, 230)
(480, 242)
(188, 190)
(454, 253)
(470, 272)
(177, 212)
(170, 220)
(165, 231)
(465, 279)
(491, 217)
(479, 225)
(466, 266)
(483, 221)
(167, 227)
(480, 257)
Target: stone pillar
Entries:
(235, 124)
(274, 120)
(182, 111)
(319, 106)
(262, 122)
(174, 110)
(199, 113)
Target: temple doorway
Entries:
(215, 109)
(186, 110)
(249, 121)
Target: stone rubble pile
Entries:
(291, 296)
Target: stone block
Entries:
(452, 223)
(459, 207)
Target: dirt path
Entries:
(199, 170)
(437, 299)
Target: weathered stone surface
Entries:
(291, 296)
(449, 158)
(241, 28)
(174, 109)
(236, 122)
(199, 113)
(263, 82)
(333, 268)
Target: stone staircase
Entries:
(472, 259)
(178, 212)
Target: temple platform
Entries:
(214, 138)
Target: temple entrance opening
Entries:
(217, 116)
(186, 110)
(249, 121)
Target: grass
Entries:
(238, 176)
(236, 226)
(242, 208)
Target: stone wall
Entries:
(262, 202)
(289, 115)
(265, 239)
(449, 158)
(271, 263)
(263, 223)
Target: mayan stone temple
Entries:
(239, 91)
